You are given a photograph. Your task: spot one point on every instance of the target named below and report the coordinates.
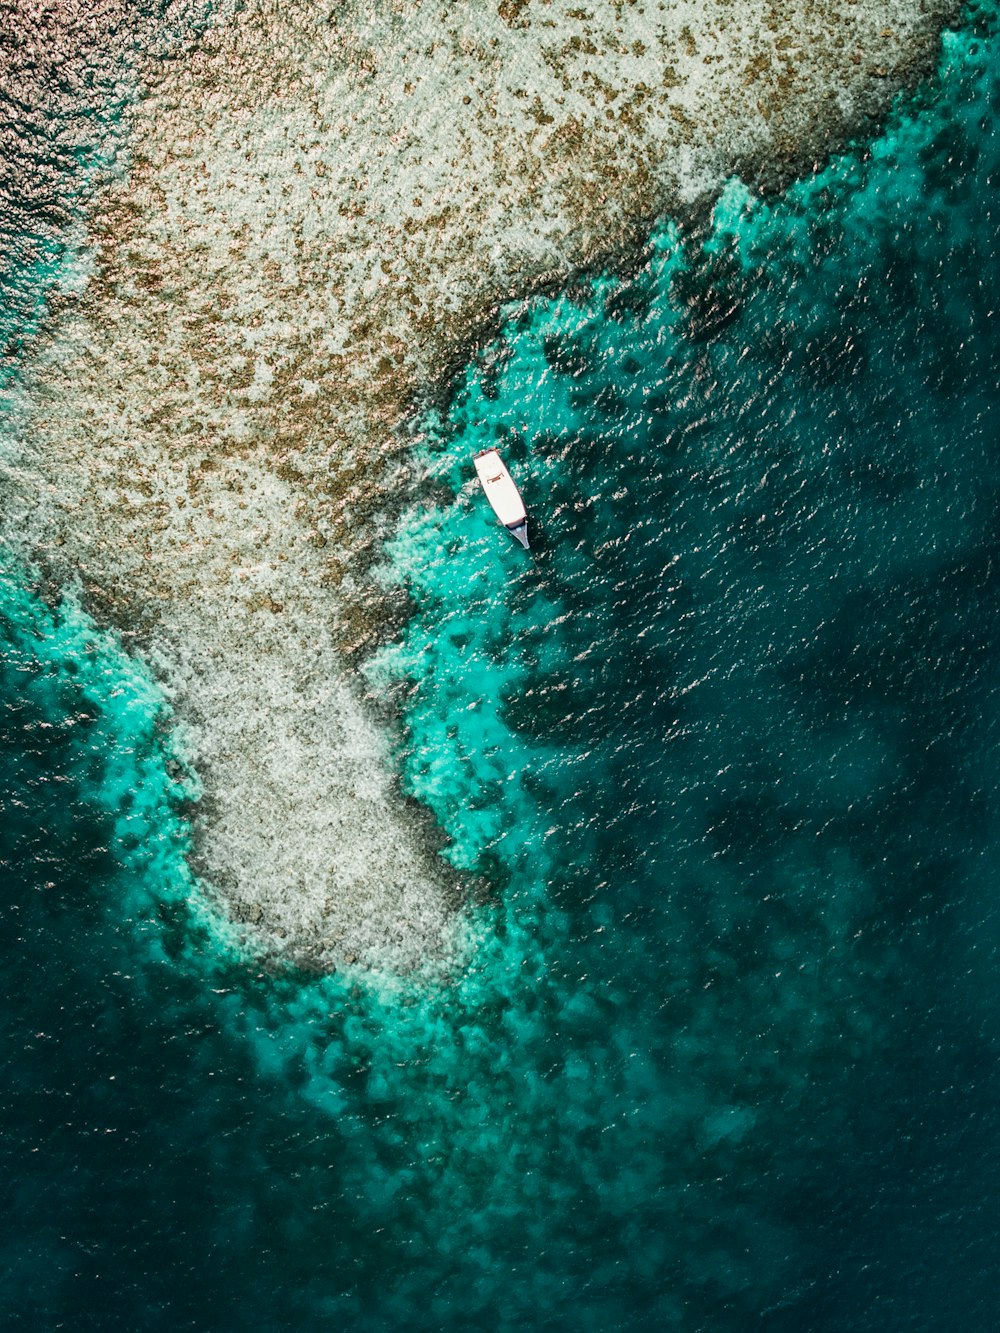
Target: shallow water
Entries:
(724, 750)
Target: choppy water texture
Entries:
(725, 747)
(318, 203)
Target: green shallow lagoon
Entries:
(724, 750)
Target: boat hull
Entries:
(503, 495)
(520, 531)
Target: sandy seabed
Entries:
(321, 202)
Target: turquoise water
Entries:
(723, 749)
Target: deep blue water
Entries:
(724, 748)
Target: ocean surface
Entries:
(722, 754)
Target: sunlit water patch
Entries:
(723, 748)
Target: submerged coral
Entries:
(318, 208)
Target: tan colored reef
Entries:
(322, 201)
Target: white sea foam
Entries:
(318, 205)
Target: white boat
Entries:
(502, 494)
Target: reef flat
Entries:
(320, 204)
